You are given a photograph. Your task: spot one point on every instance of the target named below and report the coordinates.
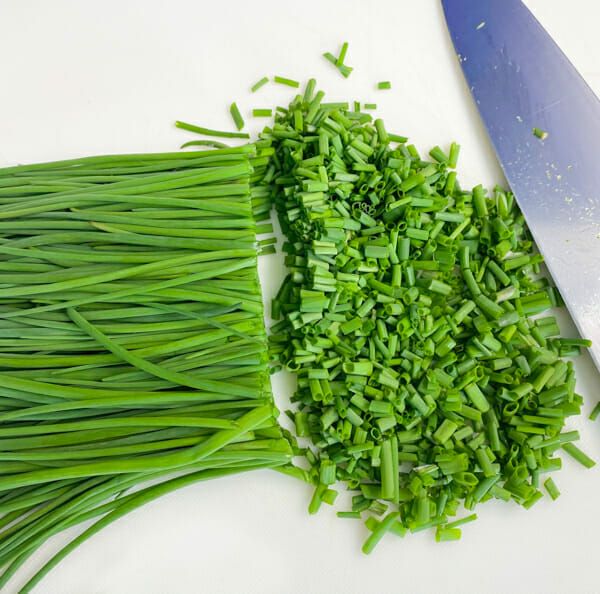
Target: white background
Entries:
(82, 78)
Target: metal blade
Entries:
(520, 79)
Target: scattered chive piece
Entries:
(209, 131)
(539, 133)
(236, 115)
(578, 455)
(552, 489)
(595, 412)
(342, 56)
(384, 85)
(262, 113)
(286, 81)
(344, 70)
(258, 84)
(370, 105)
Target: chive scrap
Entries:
(539, 133)
(259, 83)
(384, 85)
(429, 377)
(370, 105)
(262, 113)
(209, 131)
(236, 115)
(286, 81)
(338, 61)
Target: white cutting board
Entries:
(111, 76)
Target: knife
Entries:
(521, 80)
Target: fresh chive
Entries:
(262, 113)
(236, 115)
(286, 81)
(209, 131)
(384, 85)
(539, 133)
(259, 83)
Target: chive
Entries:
(551, 488)
(370, 105)
(578, 455)
(211, 143)
(384, 85)
(262, 113)
(260, 83)
(236, 115)
(541, 134)
(342, 56)
(210, 132)
(416, 297)
(136, 345)
(286, 81)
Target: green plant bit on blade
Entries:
(541, 134)
(424, 382)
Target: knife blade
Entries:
(520, 80)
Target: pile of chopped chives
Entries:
(132, 339)
(427, 378)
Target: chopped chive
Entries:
(416, 297)
(236, 115)
(286, 81)
(260, 83)
(262, 113)
(342, 56)
(578, 455)
(541, 134)
(552, 489)
(370, 105)
(384, 85)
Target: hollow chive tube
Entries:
(551, 488)
(378, 532)
(281, 80)
(259, 84)
(444, 534)
(578, 455)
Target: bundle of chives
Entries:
(132, 340)
(423, 381)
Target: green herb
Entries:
(133, 347)
(236, 115)
(262, 113)
(541, 134)
(338, 62)
(209, 132)
(384, 85)
(286, 81)
(423, 382)
(260, 83)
